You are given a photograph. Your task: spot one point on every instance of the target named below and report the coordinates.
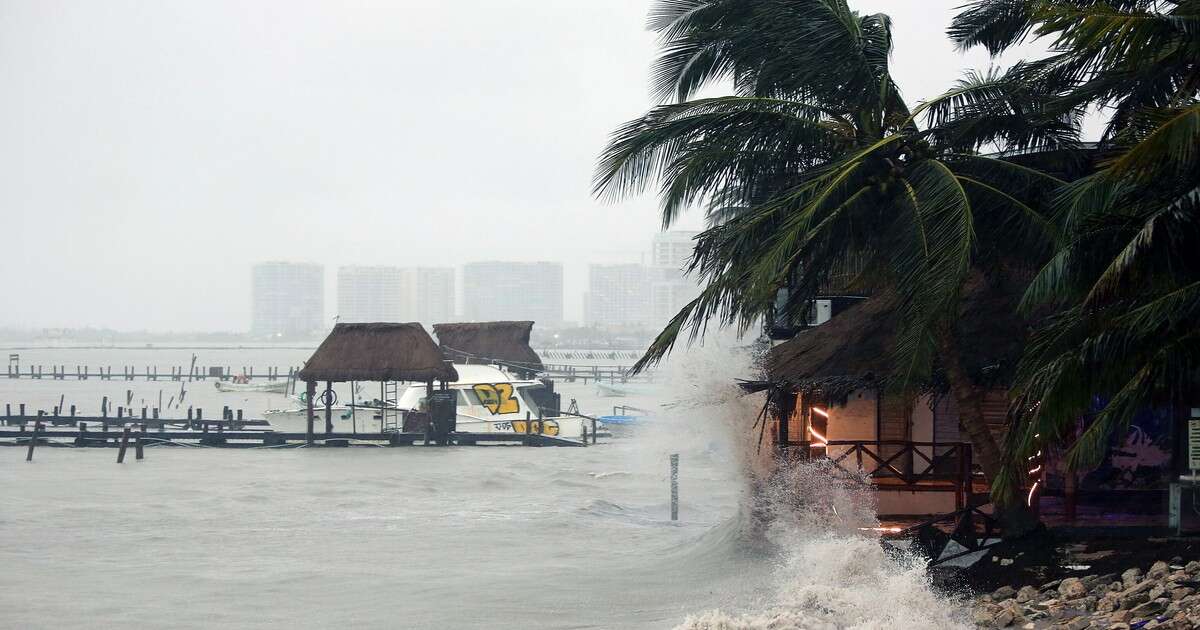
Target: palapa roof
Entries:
(854, 348)
(503, 342)
(378, 352)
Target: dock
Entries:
(78, 372)
(256, 439)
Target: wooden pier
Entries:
(149, 373)
(231, 431)
(252, 439)
(78, 372)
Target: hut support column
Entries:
(311, 392)
(328, 407)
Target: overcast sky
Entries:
(150, 152)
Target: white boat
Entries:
(267, 387)
(490, 400)
(296, 419)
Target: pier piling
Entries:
(37, 426)
(674, 486)
(124, 445)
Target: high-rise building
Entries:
(394, 294)
(672, 249)
(287, 299)
(513, 291)
(618, 295)
(670, 289)
(374, 294)
(434, 295)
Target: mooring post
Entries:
(124, 445)
(104, 406)
(72, 411)
(593, 431)
(674, 486)
(583, 430)
(310, 388)
(22, 411)
(33, 441)
(328, 396)
(137, 445)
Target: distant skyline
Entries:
(153, 151)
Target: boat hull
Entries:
(269, 387)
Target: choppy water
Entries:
(499, 537)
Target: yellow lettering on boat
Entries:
(498, 398)
(541, 427)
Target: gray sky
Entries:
(151, 151)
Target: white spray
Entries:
(831, 571)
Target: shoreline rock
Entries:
(1165, 596)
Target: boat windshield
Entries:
(530, 398)
(468, 398)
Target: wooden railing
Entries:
(900, 465)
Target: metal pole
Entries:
(675, 486)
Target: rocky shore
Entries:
(1166, 595)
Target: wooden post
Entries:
(593, 430)
(674, 486)
(33, 441)
(310, 393)
(328, 396)
(124, 445)
(137, 445)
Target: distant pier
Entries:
(79, 372)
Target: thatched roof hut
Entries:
(502, 342)
(853, 350)
(378, 352)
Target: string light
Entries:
(820, 412)
(1032, 489)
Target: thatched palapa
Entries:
(378, 352)
(853, 349)
(502, 342)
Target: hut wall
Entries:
(945, 421)
(922, 424)
(854, 421)
(895, 424)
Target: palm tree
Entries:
(1125, 278)
(816, 165)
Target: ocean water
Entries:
(459, 537)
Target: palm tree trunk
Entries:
(1013, 514)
